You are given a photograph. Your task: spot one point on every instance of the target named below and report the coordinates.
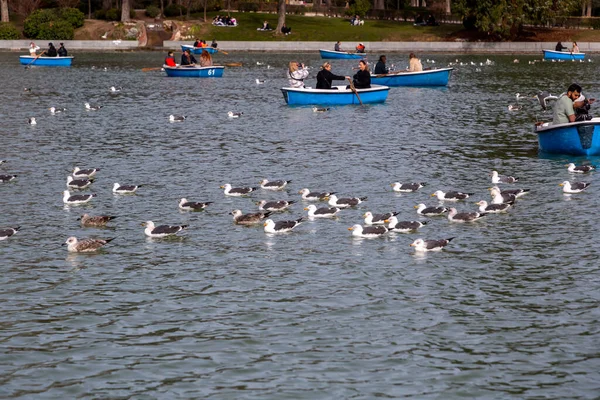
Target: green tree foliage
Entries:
(53, 23)
(502, 19)
(359, 7)
(73, 16)
(34, 21)
(8, 31)
(152, 11)
(56, 30)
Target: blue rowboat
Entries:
(341, 96)
(194, 71)
(341, 55)
(575, 138)
(562, 55)
(433, 77)
(46, 61)
(198, 50)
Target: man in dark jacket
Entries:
(188, 59)
(380, 68)
(62, 52)
(51, 52)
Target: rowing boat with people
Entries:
(574, 138)
(194, 71)
(341, 55)
(198, 50)
(430, 77)
(562, 55)
(40, 61)
(338, 95)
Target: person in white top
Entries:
(575, 48)
(33, 49)
(297, 72)
(414, 64)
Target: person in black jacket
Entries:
(380, 68)
(51, 52)
(187, 58)
(62, 52)
(324, 77)
(362, 79)
(559, 47)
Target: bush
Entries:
(33, 22)
(359, 7)
(595, 24)
(248, 7)
(8, 31)
(113, 15)
(175, 10)
(100, 14)
(72, 16)
(152, 11)
(56, 30)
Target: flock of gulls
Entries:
(317, 204)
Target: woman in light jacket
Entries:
(296, 74)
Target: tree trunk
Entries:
(4, 10)
(106, 4)
(162, 8)
(125, 11)
(379, 4)
(205, 3)
(448, 9)
(281, 14)
(89, 9)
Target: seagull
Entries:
(259, 63)
(430, 211)
(85, 173)
(368, 231)
(484, 207)
(580, 169)
(114, 89)
(451, 196)
(161, 230)
(248, 219)
(575, 187)
(404, 226)
(421, 245)
(515, 192)
(105, 35)
(78, 183)
(281, 226)
(273, 185)
(32, 121)
(543, 97)
(231, 191)
(499, 197)
(455, 216)
(345, 202)
(407, 187)
(320, 109)
(512, 107)
(5, 233)
(314, 196)
(92, 108)
(2, 162)
(232, 114)
(260, 81)
(177, 118)
(274, 205)
(125, 189)
(323, 212)
(502, 179)
(7, 178)
(55, 110)
(85, 245)
(76, 198)
(27, 90)
(378, 219)
(192, 205)
(95, 221)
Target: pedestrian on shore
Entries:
(559, 47)
(297, 72)
(62, 52)
(380, 68)
(205, 59)
(325, 77)
(414, 64)
(563, 109)
(188, 59)
(170, 60)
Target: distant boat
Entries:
(330, 97)
(198, 50)
(575, 138)
(432, 77)
(562, 55)
(194, 71)
(41, 61)
(341, 55)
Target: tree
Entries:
(281, 14)
(125, 10)
(586, 8)
(4, 10)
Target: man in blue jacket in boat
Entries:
(188, 59)
(563, 109)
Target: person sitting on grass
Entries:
(188, 59)
(285, 30)
(265, 27)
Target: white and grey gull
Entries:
(80, 184)
(87, 245)
(422, 245)
(228, 190)
(186, 205)
(69, 198)
(5, 233)
(455, 216)
(422, 209)
(407, 187)
(273, 185)
(161, 231)
(249, 219)
(323, 212)
(496, 178)
(124, 189)
(314, 196)
(378, 219)
(280, 205)
(580, 169)
(404, 226)
(368, 231)
(95, 221)
(574, 187)
(271, 226)
(345, 202)
(451, 196)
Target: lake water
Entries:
(508, 310)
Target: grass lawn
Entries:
(324, 29)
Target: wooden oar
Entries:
(354, 90)
(233, 64)
(223, 51)
(151, 69)
(32, 61)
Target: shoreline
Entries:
(460, 47)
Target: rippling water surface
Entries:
(508, 310)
